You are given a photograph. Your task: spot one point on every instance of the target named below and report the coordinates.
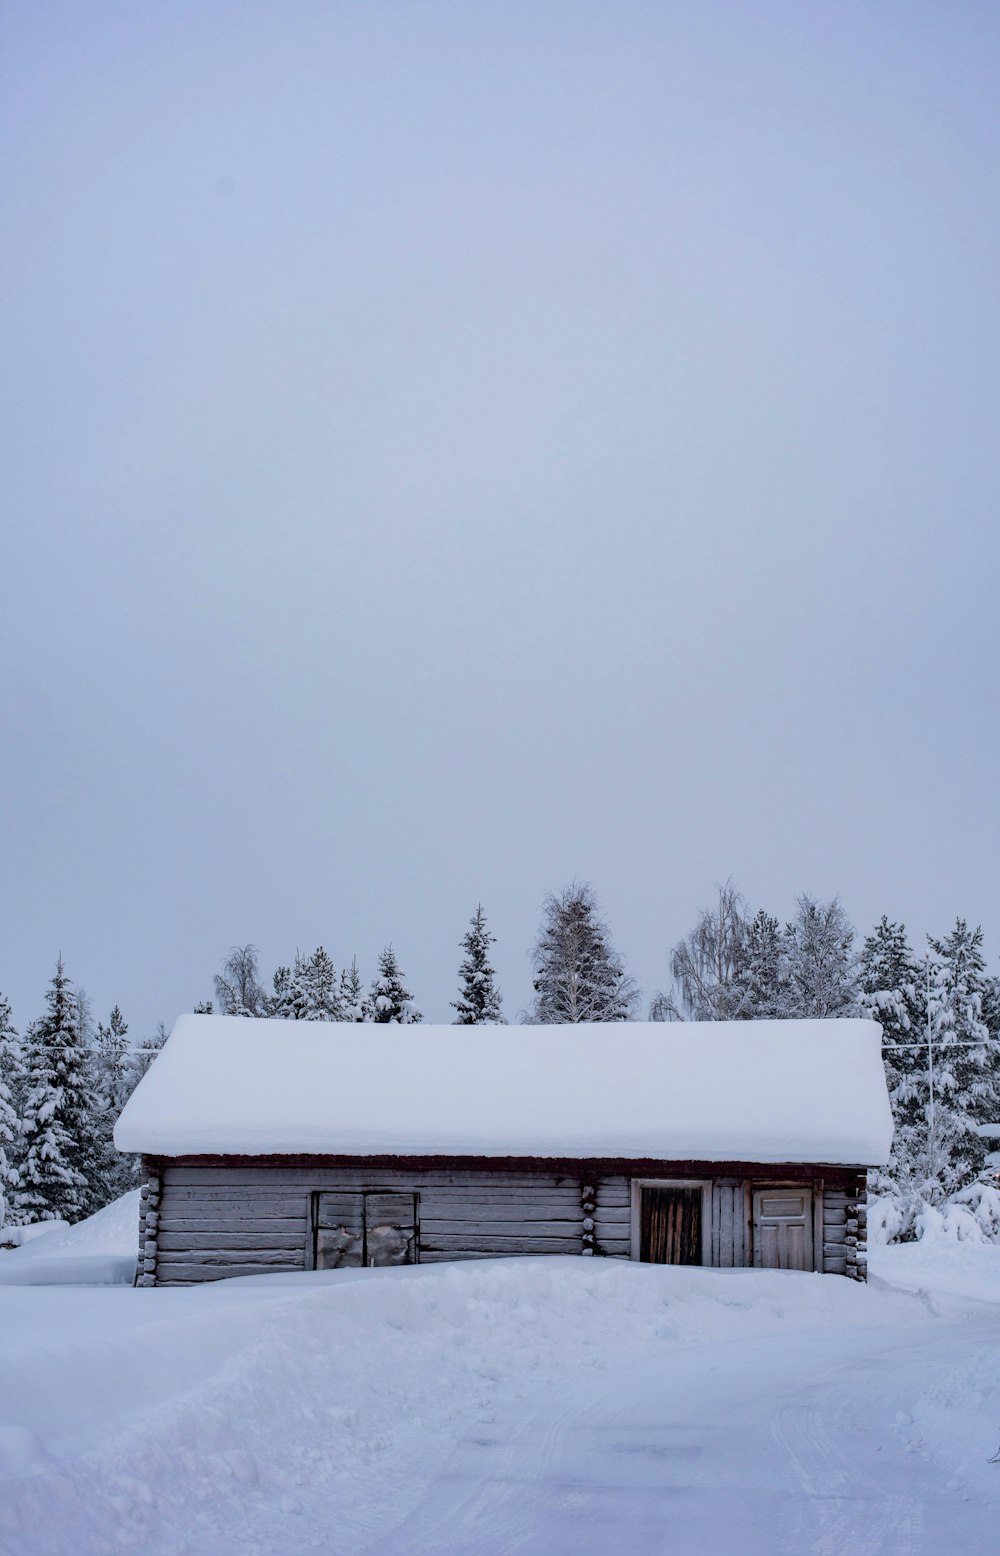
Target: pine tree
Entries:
(891, 989)
(288, 998)
(966, 1093)
(389, 999)
(764, 972)
(478, 1002)
(890, 994)
(352, 1001)
(58, 1122)
(11, 1085)
(113, 1069)
(820, 974)
(238, 988)
(312, 993)
(579, 976)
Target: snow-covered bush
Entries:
(982, 1202)
(971, 1215)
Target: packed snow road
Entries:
(760, 1447)
(533, 1406)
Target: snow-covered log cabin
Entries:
(283, 1145)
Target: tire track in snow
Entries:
(709, 1450)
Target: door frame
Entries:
(635, 1223)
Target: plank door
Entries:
(340, 1231)
(783, 1229)
(670, 1224)
(390, 1229)
(355, 1229)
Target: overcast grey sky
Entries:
(452, 448)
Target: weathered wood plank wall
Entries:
(730, 1223)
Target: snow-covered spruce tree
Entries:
(113, 1071)
(279, 1004)
(764, 972)
(891, 986)
(389, 1000)
(11, 1086)
(579, 976)
(966, 1091)
(710, 966)
(891, 981)
(479, 1002)
(313, 991)
(352, 1000)
(58, 1121)
(238, 987)
(820, 967)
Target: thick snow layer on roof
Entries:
(765, 1091)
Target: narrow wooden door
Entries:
(670, 1224)
(340, 1231)
(390, 1229)
(783, 1229)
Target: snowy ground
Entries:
(557, 1407)
(100, 1251)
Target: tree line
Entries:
(64, 1082)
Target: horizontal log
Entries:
(487, 1244)
(191, 1241)
(284, 1258)
(456, 1256)
(319, 1175)
(194, 1274)
(487, 1193)
(235, 1204)
(431, 1230)
(262, 1224)
(434, 1209)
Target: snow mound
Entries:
(940, 1266)
(100, 1251)
(17, 1236)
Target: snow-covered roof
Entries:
(763, 1091)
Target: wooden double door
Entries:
(364, 1229)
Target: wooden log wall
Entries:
(845, 1225)
(149, 1219)
(835, 1230)
(206, 1221)
(219, 1221)
(856, 1239)
(216, 1221)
